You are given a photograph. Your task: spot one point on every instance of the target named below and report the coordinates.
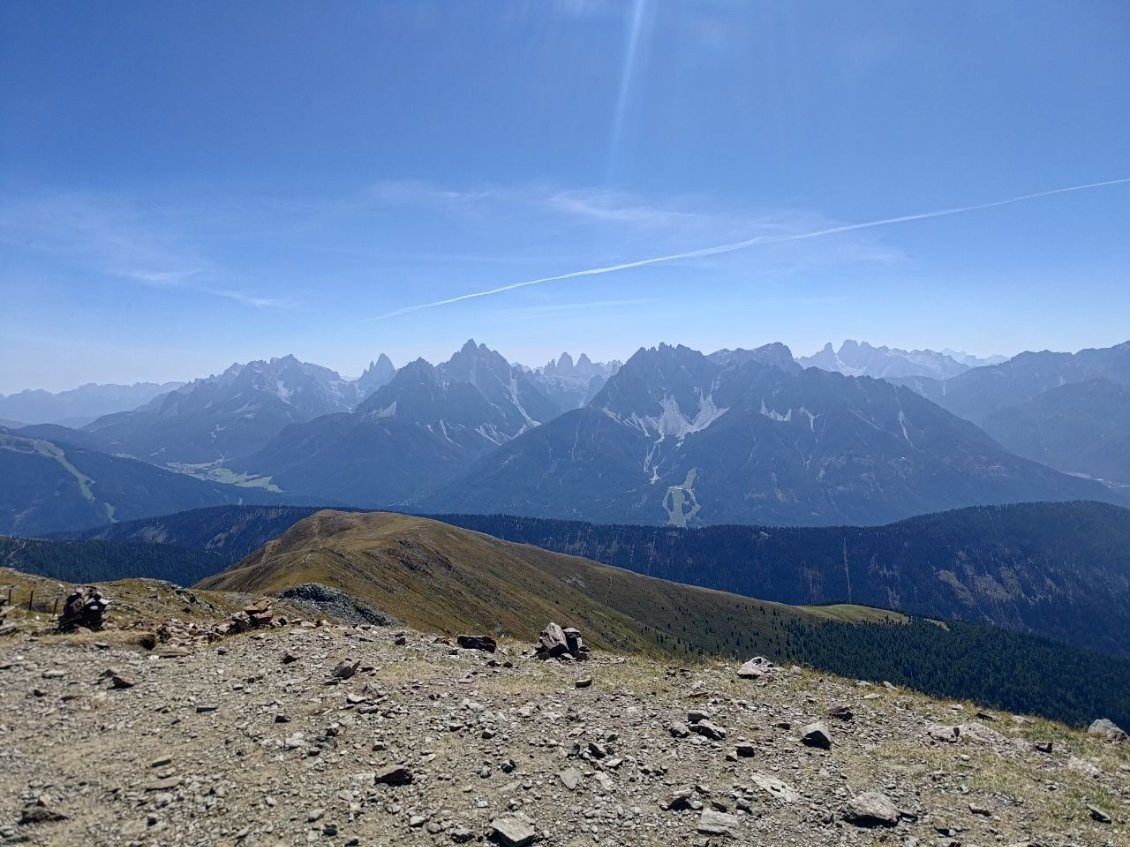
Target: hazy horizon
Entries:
(187, 186)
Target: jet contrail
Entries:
(735, 246)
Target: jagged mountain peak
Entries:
(774, 354)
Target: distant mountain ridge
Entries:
(1065, 409)
(79, 406)
(858, 358)
(682, 438)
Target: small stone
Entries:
(37, 813)
(679, 730)
(394, 775)
(477, 642)
(708, 730)
(871, 809)
(745, 750)
(676, 800)
(816, 735)
(417, 821)
(204, 708)
(166, 784)
(843, 713)
(571, 778)
(1098, 814)
(583, 682)
(461, 835)
(315, 816)
(345, 670)
(1042, 746)
(121, 682)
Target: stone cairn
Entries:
(85, 608)
(562, 644)
(259, 614)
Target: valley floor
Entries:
(243, 742)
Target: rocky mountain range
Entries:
(674, 436)
(424, 427)
(855, 358)
(681, 438)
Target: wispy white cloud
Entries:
(109, 235)
(746, 244)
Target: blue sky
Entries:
(183, 185)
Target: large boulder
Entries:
(817, 735)
(755, 668)
(1107, 731)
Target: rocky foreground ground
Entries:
(362, 735)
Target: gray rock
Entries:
(871, 809)
(552, 641)
(346, 669)
(679, 729)
(816, 735)
(718, 823)
(943, 733)
(1107, 731)
(513, 830)
(843, 713)
(708, 730)
(571, 778)
(477, 642)
(775, 787)
(755, 668)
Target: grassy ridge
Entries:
(441, 578)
